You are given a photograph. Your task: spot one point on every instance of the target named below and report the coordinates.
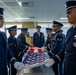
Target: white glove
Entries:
(49, 62)
(44, 48)
(19, 65)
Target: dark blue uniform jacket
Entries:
(5, 54)
(57, 42)
(18, 53)
(21, 39)
(68, 53)
(38, 40)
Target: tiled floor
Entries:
(42, 70)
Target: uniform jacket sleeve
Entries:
(57, 58)
(9, 55)
(20, 42)
(43, 39)
(14, 48)
(34, 38)
(26, 43)
(47, 41)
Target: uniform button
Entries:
(66, 44)
(64, 59)
(65, 52)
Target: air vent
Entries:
(27, 4)
(32, 17)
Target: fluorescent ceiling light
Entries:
(64, 18)
(21, 18)
(20, 3)
(8, 7)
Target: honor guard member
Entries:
(5, 52)
(68, 52)
(21, 39)
(57, 41)
(38, 38)
(12, 42)
(13, 45)
(49, 36)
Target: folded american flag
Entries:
(35, 56)
(35, 50)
